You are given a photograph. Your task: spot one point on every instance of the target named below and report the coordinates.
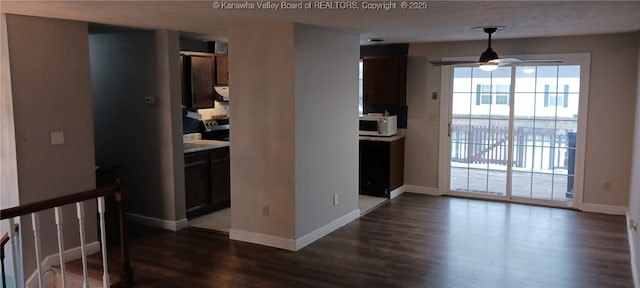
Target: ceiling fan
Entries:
(489, 59)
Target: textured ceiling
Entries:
(440, 21)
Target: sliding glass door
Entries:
(512, 132)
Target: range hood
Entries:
(222, 93)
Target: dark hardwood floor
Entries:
(411, 241)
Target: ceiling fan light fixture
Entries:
(488, 66)
(488, 55)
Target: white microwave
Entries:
(378, 125)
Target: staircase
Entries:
(70, 274)
(74, 276)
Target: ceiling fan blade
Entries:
(505, 61)
(509, 61)
(550, 61)
(499, 62)
(447, 63)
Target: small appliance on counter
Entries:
(378, 124)
(222, 93)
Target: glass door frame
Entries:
(582, 59)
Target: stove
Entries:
(217, 129)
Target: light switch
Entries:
(57, 138)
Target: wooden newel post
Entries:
(126, 273)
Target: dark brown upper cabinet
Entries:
(385, 80)
(222, 70)
(197, 80)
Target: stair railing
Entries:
(10, 214)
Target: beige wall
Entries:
(50, 87)
(326, 113)
(612, 94)
(294, 138)
(261, 72)
(143, 140)
(634, 194)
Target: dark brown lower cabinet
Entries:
(220, 178)
(207, 187)
(381, 167)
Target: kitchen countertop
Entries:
(202, 145)
(400, 135)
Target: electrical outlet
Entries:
(335, 199)
(265, 210)
(633, 225)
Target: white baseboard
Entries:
(421, 190)
(262, 239)
(158, 223)
(397, 192)
(632, 250)
(604, 209)
(326, 229)
(54, 259)
(291, 244)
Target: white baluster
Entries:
(58, 211)
(103, 239)
(16, 256)
(35, 220)
(80, 208)
(20, 283)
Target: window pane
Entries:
(521, 155)
(524, 104)
(560, 187)
(526, 79)
(542, 186)
(521, 184)
(569, 75)
(543, 108)
(571, 111)
(480, 79)
(461, 104)
(460, 130)
(497, 181)
(462, 79)
(459, 177)
(478, 178)
(547, 76)
(566, 126)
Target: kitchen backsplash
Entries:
(221, 108)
